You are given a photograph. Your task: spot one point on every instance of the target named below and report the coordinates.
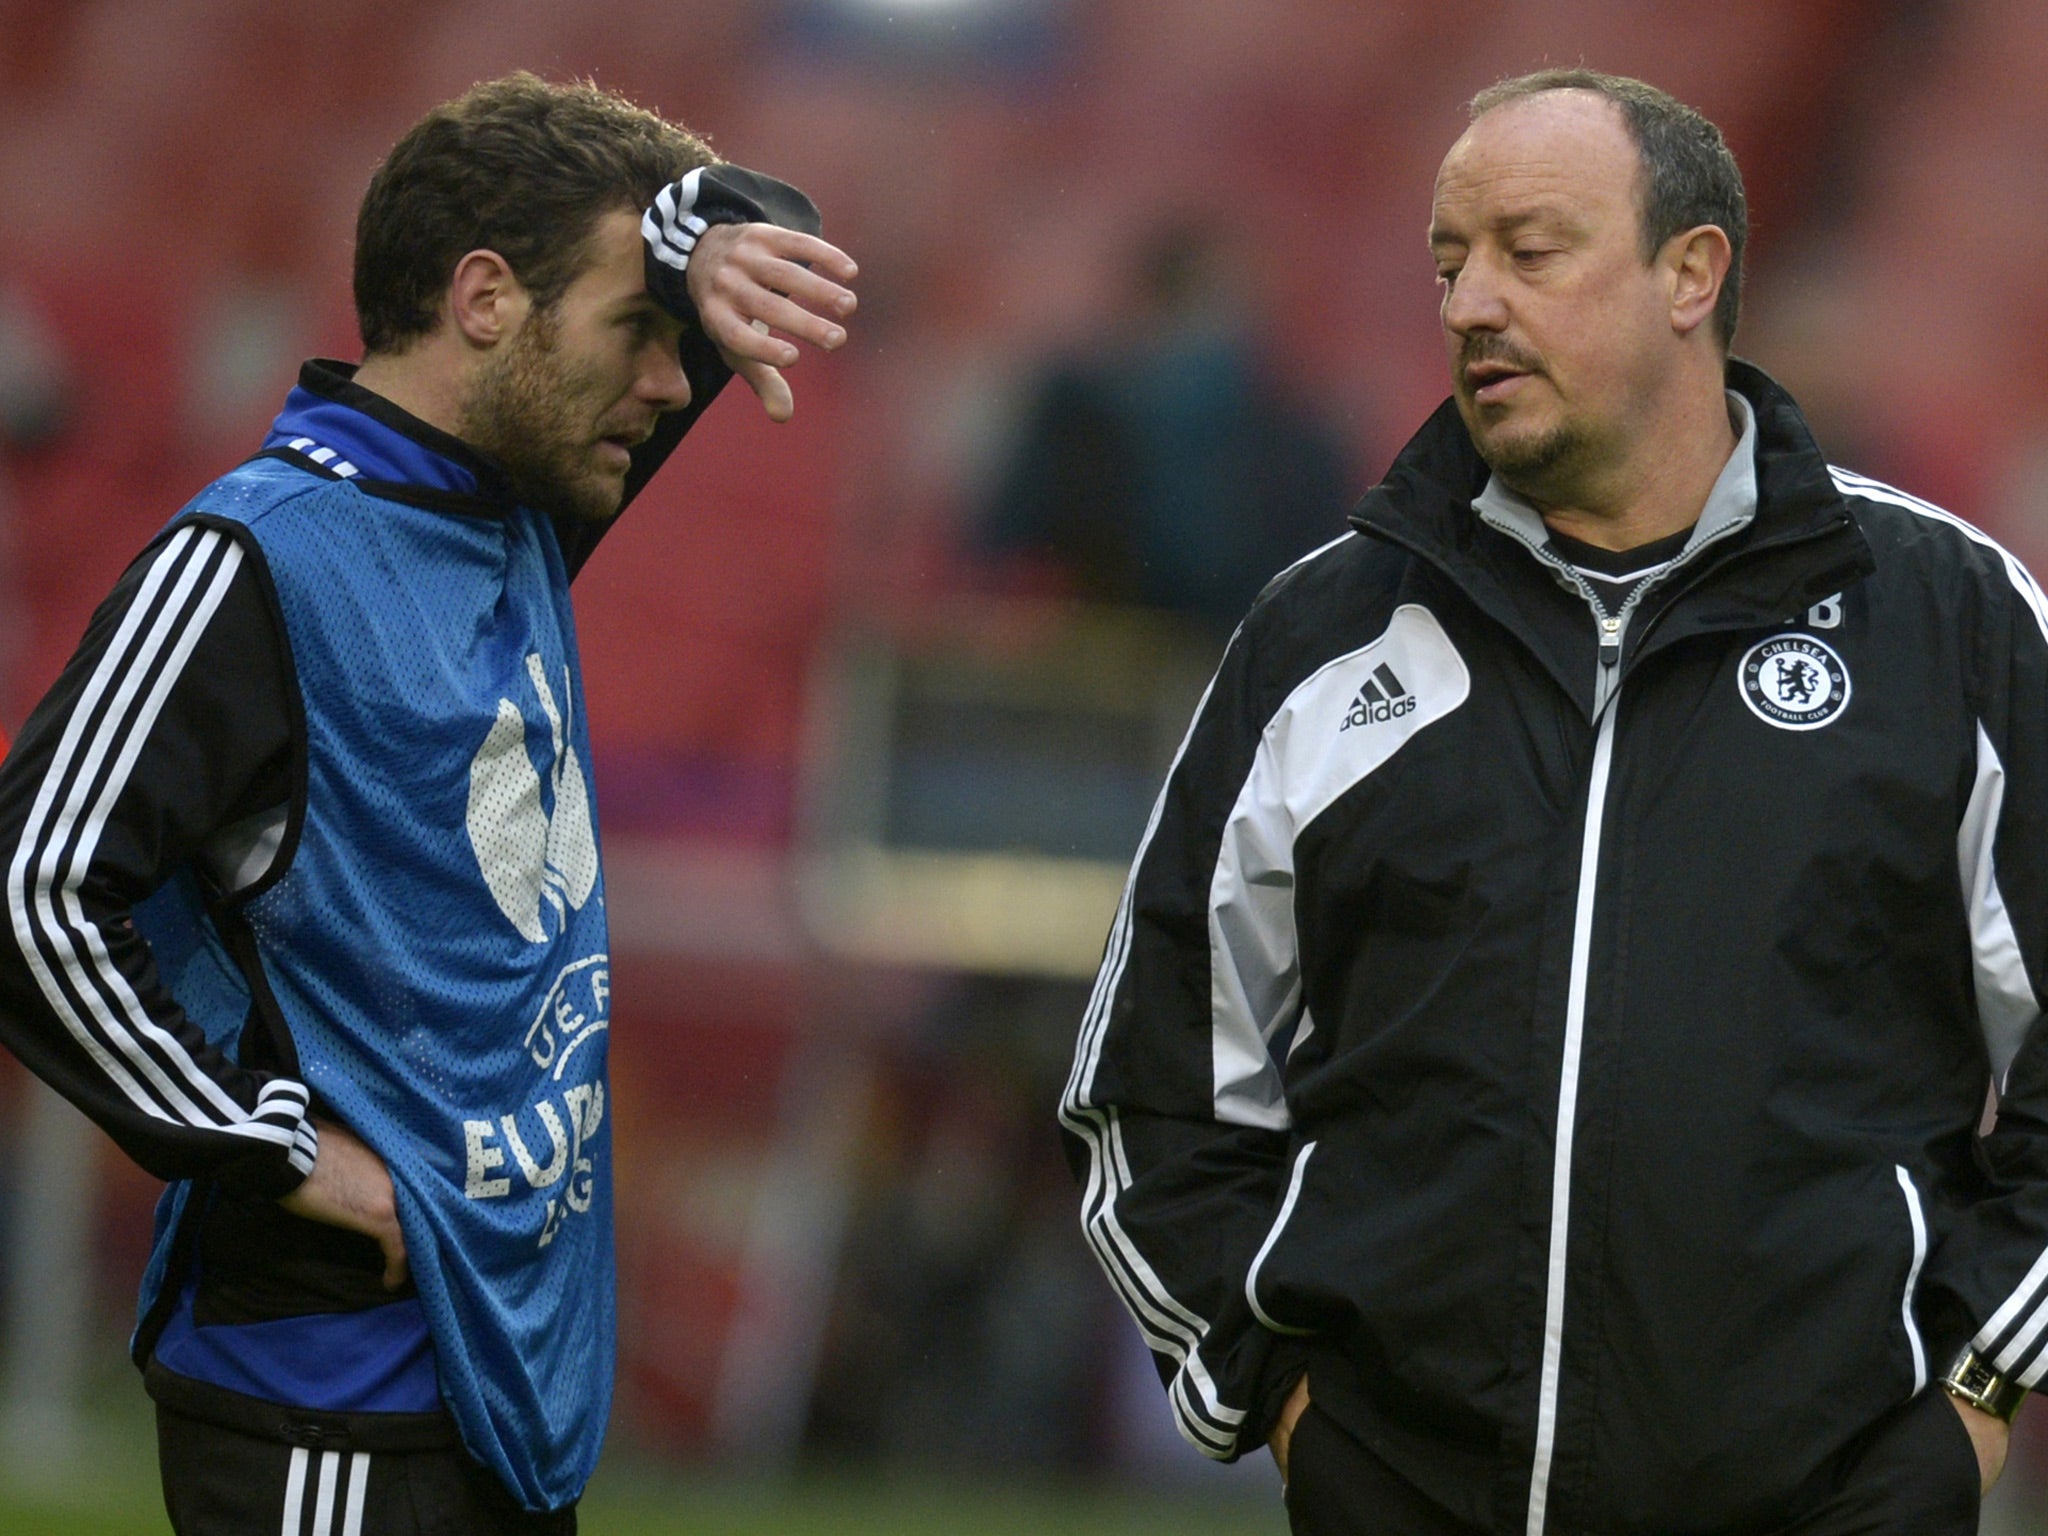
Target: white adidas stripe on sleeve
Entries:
(92, 765)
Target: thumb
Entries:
(769, 387)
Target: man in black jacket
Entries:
(1534, 1078)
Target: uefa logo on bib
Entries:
(1794, 682)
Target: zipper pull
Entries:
(1610, 642)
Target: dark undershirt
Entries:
(1616, 573)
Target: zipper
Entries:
(1610, 627)
(1610, 656)
(1613, 629)
(1697, 575)
(1567, 1122)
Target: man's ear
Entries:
(485, 300)
(1696, 263)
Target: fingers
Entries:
(817, 325)
(396, 1269)
(783, 297)
(742, 336)
(744, 273)
(793, 245)
(806, 286)
(350, 1187)
(1281, 1440)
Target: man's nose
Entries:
(662, 382)
(1473, 302)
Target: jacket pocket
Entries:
(1251, 1278)
(1916, 1217)
(1960, 1457)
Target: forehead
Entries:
(614, 267)
(1568, 150)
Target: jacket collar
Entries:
(1731, 504)
(332, 422)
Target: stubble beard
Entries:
(524, 410)
(1535, 464)
(1530, 463)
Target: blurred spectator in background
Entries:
(45, 1242)
(35, 408)
(958, 1338)
(34, 387)
(1167, 467)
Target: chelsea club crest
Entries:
(1794, 682)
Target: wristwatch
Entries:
(1971, 1380)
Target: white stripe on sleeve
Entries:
(93, 762)
(2006, 1006)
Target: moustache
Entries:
(633, 432)
(1488, 348)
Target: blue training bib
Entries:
(437, 943)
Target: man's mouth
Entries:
(619, 446)
(1491, 383)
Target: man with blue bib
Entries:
(302, 864)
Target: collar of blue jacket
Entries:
(346, 430)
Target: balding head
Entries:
(1688, 177)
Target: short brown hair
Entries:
(516, 165)
(1689, 175)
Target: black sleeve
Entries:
(1990, 1270)
(165, 746)
(717, 194)
(1184, 1166)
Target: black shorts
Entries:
(221, 1482)
(1913, 1473)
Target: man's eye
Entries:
(1447, 275)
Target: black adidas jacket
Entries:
(1572, 1053)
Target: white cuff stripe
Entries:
(2020, 1343)
(669, 227)
(305, 1148)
